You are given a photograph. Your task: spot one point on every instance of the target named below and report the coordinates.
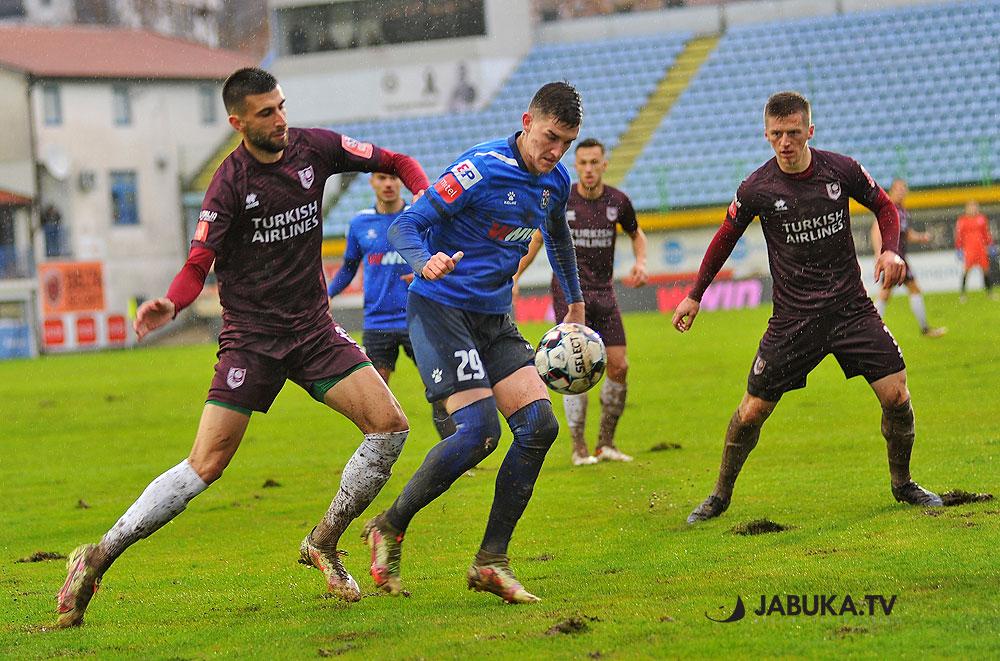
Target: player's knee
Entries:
(479, 427)
(535, 426)
(208, 468)
(754, 411)
(618, 371)
(390, 419)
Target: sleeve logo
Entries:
(467, 174)
(209, 216)
(362, 149)
(734, 208)
(448, 188)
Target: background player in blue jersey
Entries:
(386, 276)
(464, 239)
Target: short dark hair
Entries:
(783, 104)
(590, 142)
(558, 100)
(244, 82)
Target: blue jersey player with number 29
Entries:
(464, 239)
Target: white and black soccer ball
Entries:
(571, 358)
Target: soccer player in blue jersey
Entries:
(386, 275)
(464, 239)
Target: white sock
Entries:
(917, 305)
(163, 499)
(880, 306)
(576, 414)
(364, 475)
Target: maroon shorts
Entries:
(252, 368)
(792, 347)
(601, 312)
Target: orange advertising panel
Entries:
(71, 287)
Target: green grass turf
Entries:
(607, 543)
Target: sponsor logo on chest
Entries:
(510, 233)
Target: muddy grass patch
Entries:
(960, 497)
(663, 447)
(571, 625)
(270, 484)
(759, 527)
(42, 556)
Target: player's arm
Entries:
(454, 191)
(738, 218)
(349, 268)
(562, 257)
(876, 237)
(217, 212)
(529, 257)
(637, 277)
(184, 288)
(349, 155)
(889, 266)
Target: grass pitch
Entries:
(606, 547)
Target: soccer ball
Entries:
(571, 359)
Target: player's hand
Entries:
(515, 289)
(890, 268)
(152, 315)
(416, 196)
(637, 277)
(576, 313)
(685, 313)
(440, 265)
(406, 278)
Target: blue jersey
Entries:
(385, 290)
(487, 204)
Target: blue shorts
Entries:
(382, 347)
(459, 350)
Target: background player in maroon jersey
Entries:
(907, 235)
(820, 304)
(261, 224)
(593, 211)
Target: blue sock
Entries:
(535, 428)
(477, 432)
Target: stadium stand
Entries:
(612, 94)
(920, 101)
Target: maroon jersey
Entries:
(264, 222)
(592, 224)
(807, 227)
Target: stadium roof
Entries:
(95, 52)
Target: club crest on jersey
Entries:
(759, 365)
(307, 176)
(546, 195)
(612, 214)
(833, 190)
(372, 234)
(236, 377)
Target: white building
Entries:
(105, 125)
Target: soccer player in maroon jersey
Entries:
(820, 304)
(593, 211)
(261, 224)
(907, 235)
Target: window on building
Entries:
(209, 104)
(125, 197)
(121, 102)
(51, 104)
